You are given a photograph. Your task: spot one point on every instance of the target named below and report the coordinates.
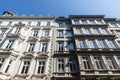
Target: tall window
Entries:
(2, 32)
(44, 47)
(1, 61)
(17, 30)
(98, 62)
(8, 66)
(111, 43)
(61, 46)
(99, 22)
(82, 44)
(38, 23)
(31, 47)
(60, 34)
(35, 33)
(48, 24)
(96, 31)
(40, 68)
(76, 22)
(25, 67)
(86, 63)
(92, 21)
(104, 31)
(110, 63)
(72, 65)
(87, 31)
(60, 65)
(10, 44)
(79, 31)
(91, 44)
(102, 44)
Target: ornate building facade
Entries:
(80, 47)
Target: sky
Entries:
(109, 8)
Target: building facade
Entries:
(80, 47)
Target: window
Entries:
(31, 47)
(2, 32)
(0, 22)
(99, 22)
(48, 24)
(76, 22)
(118, 59)
(10, 44)
(61, 46)
(87, 31)
(60, 34)
(9, 24)
(102, 44)
(35, 33)
(68, 34)
(17, 30)
(8, 66)
(84, 21)
(91, 44)
(41, 66)
(114, 25)
(72, 65)
(29, 23)
(60, 65)
(111, 44)
(70, 46)
(63, 25)
(82, 44)
(118, 33)
(91, 21)
(44, 47)
(86, 63)
(95, 31)
(110, 63)
(25, 67)
(98, 62)
(38, 23)
(104, 31)
(79, 31)
(46, 33)
(1, 62)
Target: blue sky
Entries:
(110, 8)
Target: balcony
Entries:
(13, 35)
(94, 36)
(46, 39)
